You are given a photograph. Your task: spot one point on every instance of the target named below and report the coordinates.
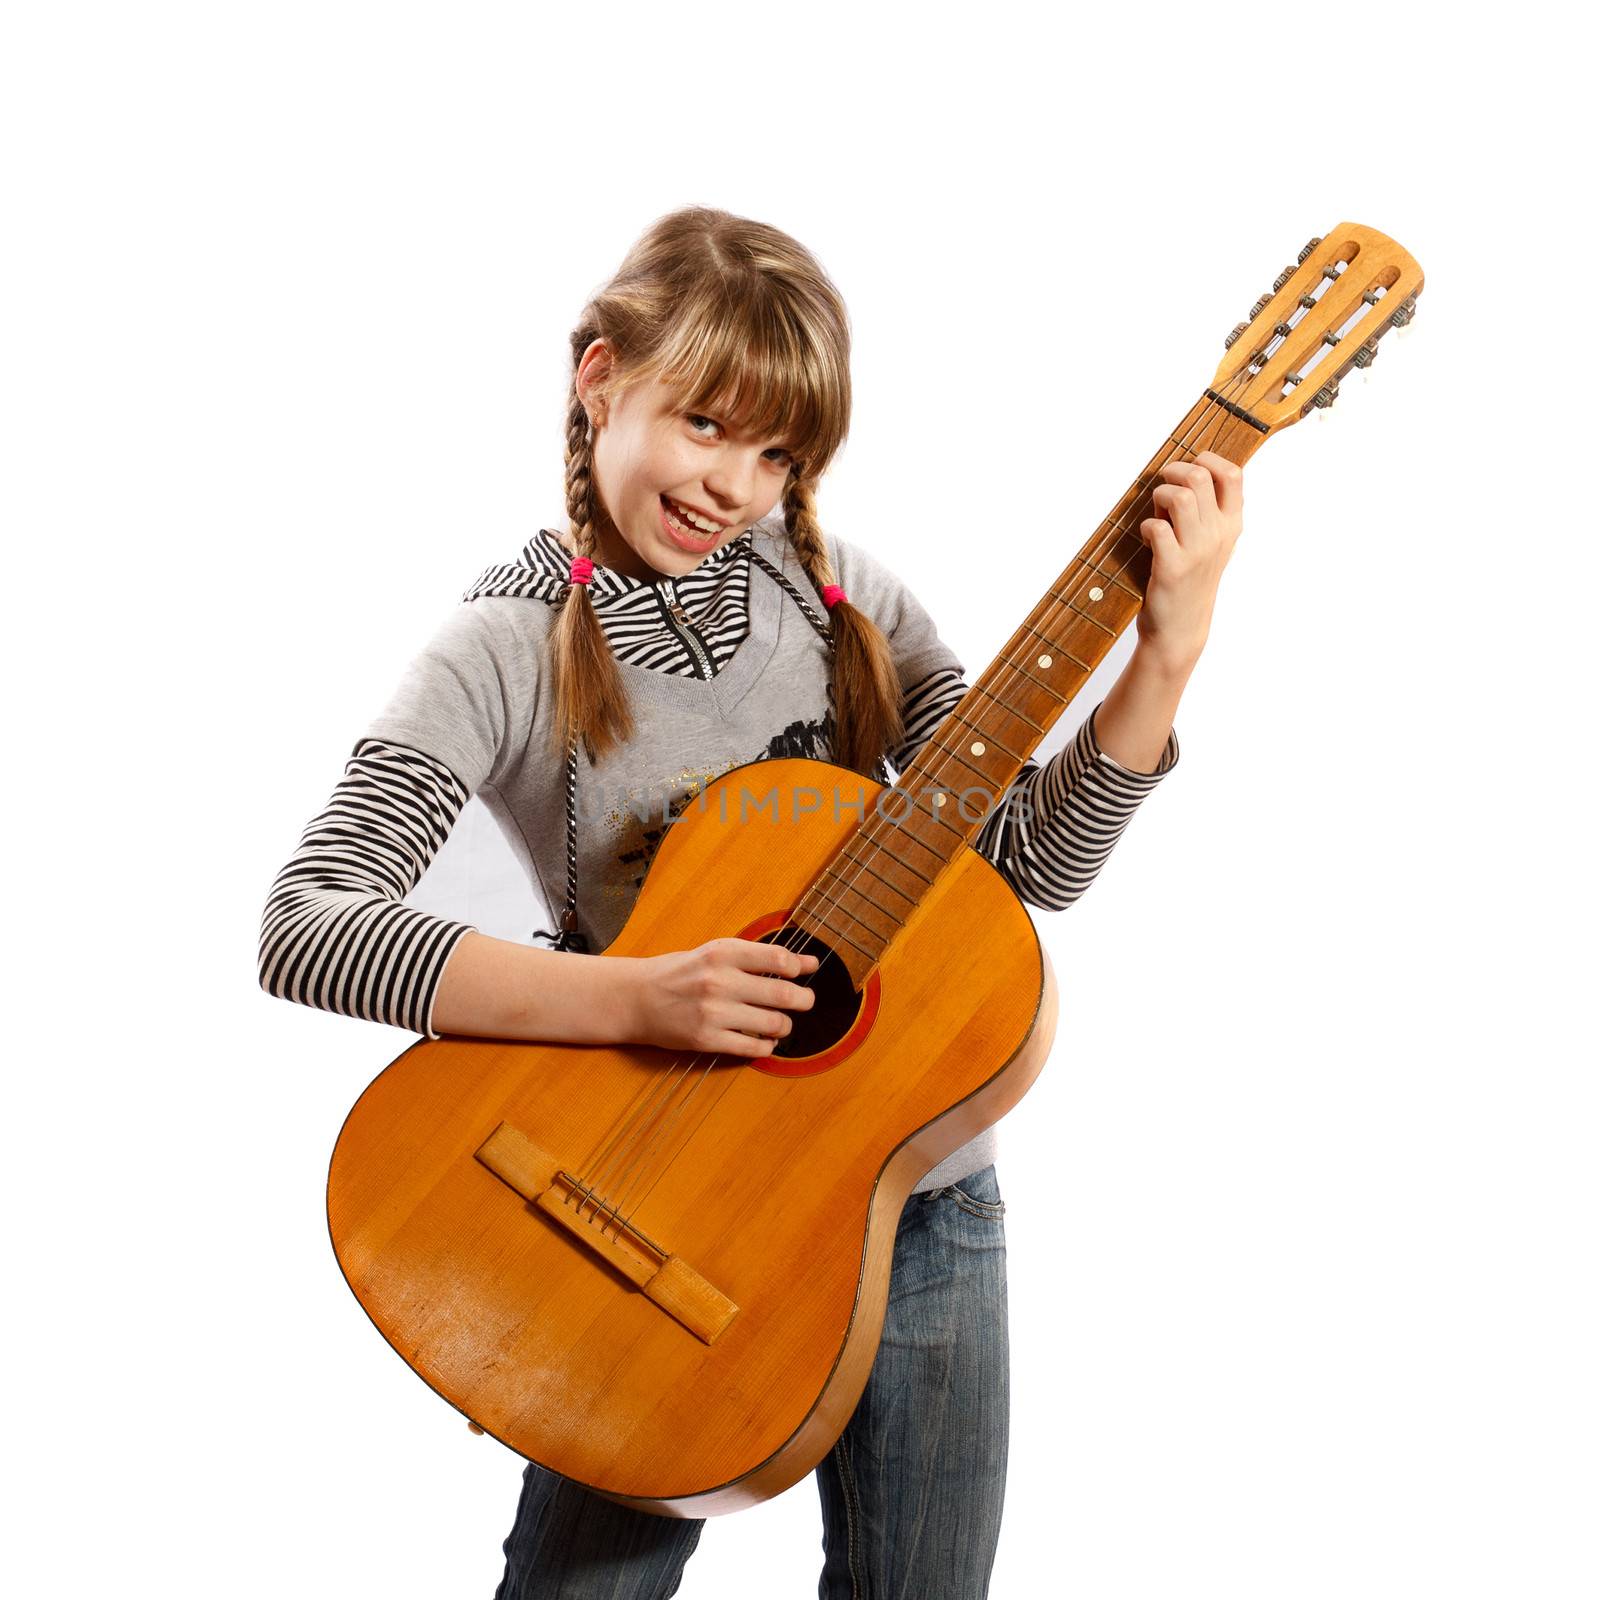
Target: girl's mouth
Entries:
(685, 536)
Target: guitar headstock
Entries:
(1323, 316)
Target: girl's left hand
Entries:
(1202, 503)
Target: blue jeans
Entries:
(911, 1492)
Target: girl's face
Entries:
(648, 453)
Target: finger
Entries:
(757, 956)
(1157, 533)
(1194, 476)
(734, 1042)
(1182, 508)
(1228, 479)
(764, 1024)
(779, 992)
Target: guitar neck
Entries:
(1067, 634)
(963, 771)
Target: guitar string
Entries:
(1110, 534)
(646, 1144)
(1004, 683)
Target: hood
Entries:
(540, 572)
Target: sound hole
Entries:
(837, 1005)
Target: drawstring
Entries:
(569, 938)
(823, 630)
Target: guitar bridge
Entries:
(668, 1280)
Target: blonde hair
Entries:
(744, 324)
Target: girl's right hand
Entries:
(716, 996)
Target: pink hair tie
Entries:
(582, 570)
(832, 594)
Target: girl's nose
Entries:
(730, 484)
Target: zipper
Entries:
(678, 620)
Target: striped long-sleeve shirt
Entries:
(336, 932)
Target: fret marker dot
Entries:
(1044, 661)
(1097, 594)
(977, 749)
(938, 799)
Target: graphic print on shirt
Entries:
(640, 824)
(812, 740)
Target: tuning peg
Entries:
(1261, 305)
(1403, 315)
(1326, 395)
(1311, 245)
(1227, 344)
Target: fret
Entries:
(849, 887)
(1095, 621)
(900, 861)
(930, 812)
(818, 923)
(1060, 649)
(908, 833)
(1006, 706)
(1013, 664)
(987, 777)
(1114, 577)
(961, 829)
(867, 866)
(934, 814)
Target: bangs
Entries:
(752, 367)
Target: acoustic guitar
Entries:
(664, 1275)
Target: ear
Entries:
(594, 367)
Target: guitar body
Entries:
(662, 1274)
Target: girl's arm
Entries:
(497, 989)
(1134, 722)
(336, 935)
(1201, 508)
(727, 995)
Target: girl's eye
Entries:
(693, 417)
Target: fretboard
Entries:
(911, 834)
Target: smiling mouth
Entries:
(688, 529)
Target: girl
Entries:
(694, 617)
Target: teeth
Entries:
(686, 515)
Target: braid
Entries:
(591, 700)
(866, 687)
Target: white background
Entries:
(1302, 1212)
